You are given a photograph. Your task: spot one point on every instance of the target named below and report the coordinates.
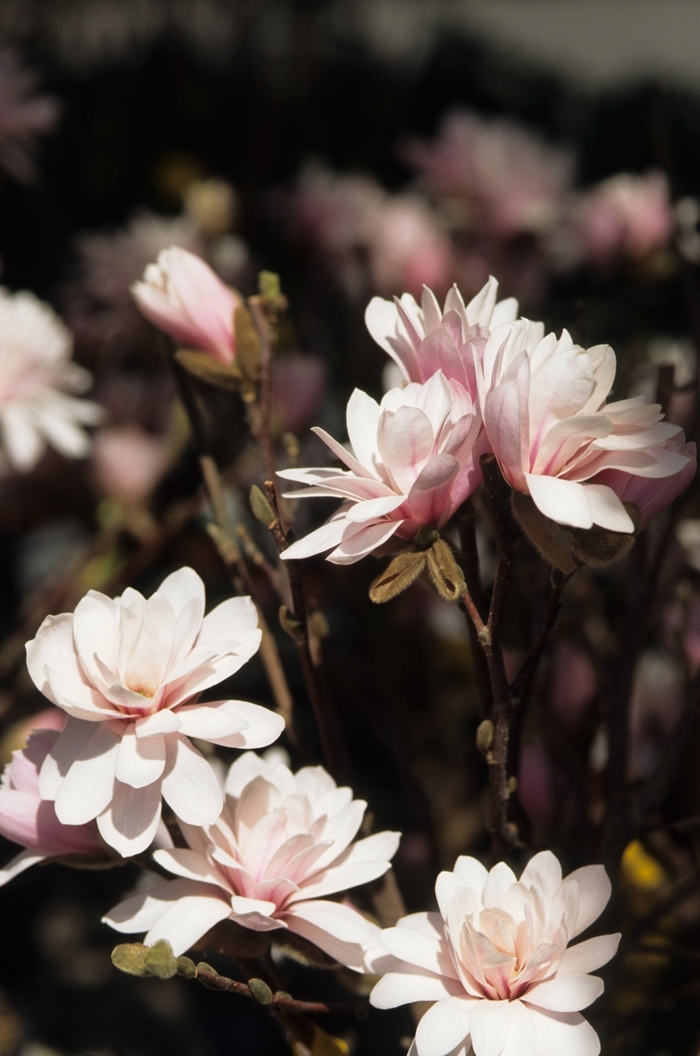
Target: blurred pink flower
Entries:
(508, 181)
(426, 339)
(129, 672)
(625, 215)
(298, 386)
(30, 821)
(283, 842)
(184, 297)
(408, 248)
(535, 783)
(573, 683)
(36, 375)
(544, 410)
(413, 464)
(494, 959)
(128, 462)
(22, 117)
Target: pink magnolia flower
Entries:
(545, 415)
(283, 842)
(426, 339)
(494, 959)
(648, 493)
(22, 116)
(408, 247)
(30, 821)
(128, 462)
(413, 463)
(129, 671)
(510, 181)
(182, 296)
(625, 215)
(36, 378)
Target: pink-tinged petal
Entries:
(181, 861)
(157, 724)
(503, 425)
(341, 453)
(88, 786)
(522, 1039)
(255, 913)
(356, 545)
(140, 911)
(22, 861)
(594, 894)
(607, 510)
(130, 821)
(562, 501)
(382, 321)
(564, 1032)
(338, 930)
(189, 919)
(406, 441)
(405, 987)
(241, 773)
(419, 949)
(589, 955)
(52, 646)
(365, 861)
(140, 761)
(566, 993)
(489, 1026)
(362, 421)
(500, 878)
(444, 1026)
(371, 509)
(77, 698)
(190, 785)
(317, 542)
(544, 872)
(61, 755)
(430, 492)
(208, 722)
(481, 307)
(18, 816)
(438, 351)
(345, 824)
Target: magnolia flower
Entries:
(545, 416)
(128, 462)
(129, 671)
(426, 339)
(407, 246)
(283, 842)
(649, 494)
(625, 215)
(495, 961)
(182, 296)
(413, 463)
(510, 181)
(30, 821)
(36, 375)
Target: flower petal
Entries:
(489, 1026)
(140, 761)
(444, 1026)
(594, 894)
(338, 930)
(565, 993)
(190, 785)
(564, 1032)
(130, 821)
(88, 786)
(405, 987)
(189, 919)
(588, 955)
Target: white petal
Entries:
(208, 722)
(566, 993)
(362, 421)
(88, 786)
(338, 930)
(22, 861)
(472, 872)
(317, 542)
(589, 955)
(607, 510)
(234, 619)
(363, 862)
(189, 919)
(181, 587)
(158, 723)
(140, 761)
(416, 948)
(489, 1027)
(64, 750)
(130, 821)
(522, 1039)
(181, 861)
(405, 987)
(190, 785)
(500, 878)
(444, 1026)
(564, 501)
(263, 726)
(140, 911)
(543, 871)
(564, 1032)
(594, 894)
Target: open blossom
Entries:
(626, 215)
(184, 297)
(413, 463)
(129, 671)
(426, 339)
(36, 377)
(495, 961)
(30, 821)
(510, 182)
(283, 843)
(547, 422)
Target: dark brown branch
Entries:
(278, 1000)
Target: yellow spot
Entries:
(641, 870)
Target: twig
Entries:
(522, 683)
(265, 319)
(279, 1000)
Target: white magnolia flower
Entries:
(547, 422)
(413, 463)
(36, 377)
(129, 671)
(283, 842)
(427, 339)
(495, 961)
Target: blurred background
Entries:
(356, 147)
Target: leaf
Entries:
(397, 576)
(261, 507)
(247, 344)
(203, 366)
(541, 533)
(446, 575)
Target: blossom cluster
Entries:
(479, 380)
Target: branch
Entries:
(279, 1000)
